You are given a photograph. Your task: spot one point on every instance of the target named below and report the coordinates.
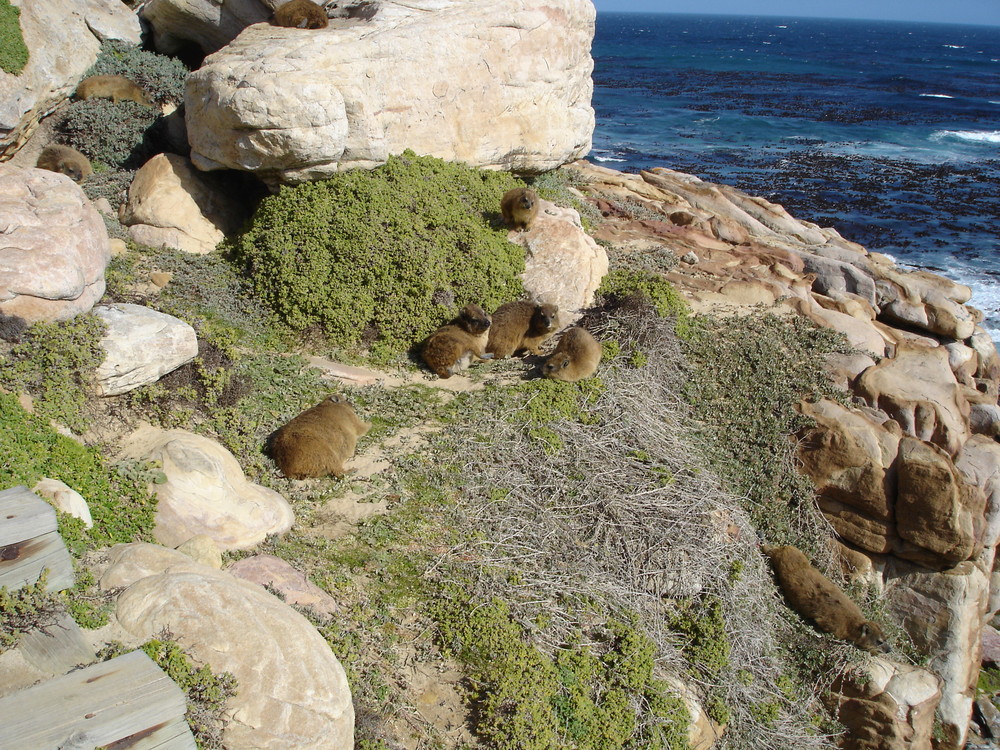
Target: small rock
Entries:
(64, 498)
(991, 645)
(988, 717)
(690, 258)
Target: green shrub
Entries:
(160, 76)
(665, 299)
(588, 697)
(55, 363)
(13, 50)
(381, 258)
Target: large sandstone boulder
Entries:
(292, 692)
(173, 204)
(177, 24)
(141, 345)
(936, 510)
(206, 492)
(55, 246)
(918, 389)
(979, 463)
(502, 85)
(51, 29)
(885, 706)
(563, 264)
(943, 612)
(850, 458)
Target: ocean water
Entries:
(888, 131)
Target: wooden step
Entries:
(29, 542)
(127, 702)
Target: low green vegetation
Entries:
(379, 259)
(161, 76)
(55, 364)
(13, 50)
(744, 377)
(121, 504)
(25, 609)
(620, 284)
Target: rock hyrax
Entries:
(519, 207)
(64, 159)
(520, 325)
(815, 597)
(115, 88)
(319, 440)
(576, 356)
(452, 347)
(300, 14)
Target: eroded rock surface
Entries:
(504, 85)
(293, 693)
(53, 246)
(207, 493)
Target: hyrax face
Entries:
(544, 319)
(475, 320)
(871, 638)
(65, 160)
(556, 364)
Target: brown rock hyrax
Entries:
(115, 88)
(576, 356)
(520, 325)
(453, 347)
(300, 14)
(64, 159)
(318, 441)
(818, 599)
(519, 207)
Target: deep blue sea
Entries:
(888, 131)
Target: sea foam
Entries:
(973, 136)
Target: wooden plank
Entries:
(101, 704)
(57, 648)
(23, 515)
(22, 562)
(175, 735)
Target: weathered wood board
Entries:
(127, 702)
(29, 542)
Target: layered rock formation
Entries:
(55, 246)
(907, 476)
(492, 85)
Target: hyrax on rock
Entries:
(520, 325)
(64, 159)
(576, 356)
(519, 207)
(115, 88)
(818, 599)
(319, 440)
(300, 14)
(452, 347)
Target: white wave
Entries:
(595, 157)
(782, 27)
(974, 136)
(938, 96)
(990, 101)
(955, 46)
